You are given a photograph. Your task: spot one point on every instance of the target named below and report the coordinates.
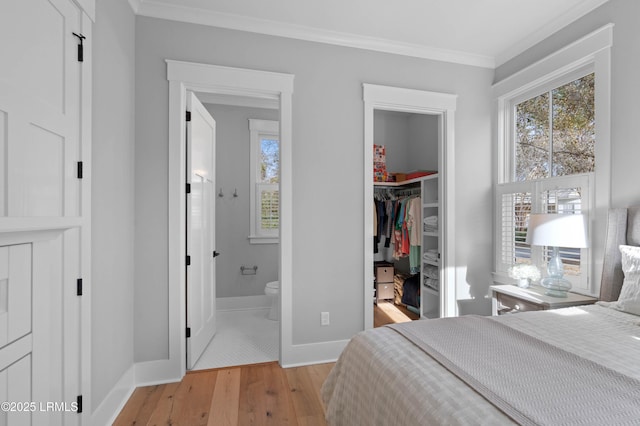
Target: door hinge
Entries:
(188, 332)
(79, 287)
(79, 404)
(188, 188)
(188, 260)
(79, 171)
(188, 115)
(81, 38)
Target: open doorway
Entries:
(405, 180)
(203, 78)
(246, 232)
(435, 188)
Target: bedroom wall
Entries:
(112, 201)
(327, 168)
(232, 214)
(625, 91)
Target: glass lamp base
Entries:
(556, 287)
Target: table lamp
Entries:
(555, 231)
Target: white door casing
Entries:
(205, 78)
(420, 102)
(200, 232)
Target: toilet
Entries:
(272, 290)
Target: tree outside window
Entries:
(555, 132)
(553, 148)
(265, 178)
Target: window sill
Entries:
(256, 239)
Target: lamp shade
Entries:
(557, 230)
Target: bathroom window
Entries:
(265, 182)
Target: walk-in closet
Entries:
(406, 214)
(417, 130)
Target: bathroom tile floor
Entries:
(243, 337)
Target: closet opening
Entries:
(406, 218)
(409, 246)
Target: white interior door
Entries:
(201, 277)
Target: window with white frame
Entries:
(549, 155)
(265, 181)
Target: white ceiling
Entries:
(484, 33)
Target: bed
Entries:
(568, 366)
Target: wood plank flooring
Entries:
(389, 313)
(259, 394)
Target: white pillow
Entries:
(629, 299)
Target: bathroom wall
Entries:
(232, 213)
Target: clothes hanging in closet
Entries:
(397, 220)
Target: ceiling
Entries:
(483, 33)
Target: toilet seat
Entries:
(272, 290)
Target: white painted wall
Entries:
(327, 167)
(112, 195)
(232, 213)
(625, 109)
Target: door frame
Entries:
(222, 80)
(443, 105)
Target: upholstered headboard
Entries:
(623, 227)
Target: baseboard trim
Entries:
(151, 373)
(112, 404)
(159, 372)
(314, 353)
(243, 302)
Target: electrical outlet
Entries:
(324, 318)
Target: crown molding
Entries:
(548, 29)
(135, 5)
(160, 10)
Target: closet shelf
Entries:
(431, 204)
(406, 182)
(430, 234)
(429, 262)
(430, 290)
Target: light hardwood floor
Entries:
(388, 313)
(259, 394)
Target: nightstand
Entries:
(508, 299)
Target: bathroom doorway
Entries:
(247, 178)
(233, 82)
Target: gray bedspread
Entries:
(531, 381)
(382, 378)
